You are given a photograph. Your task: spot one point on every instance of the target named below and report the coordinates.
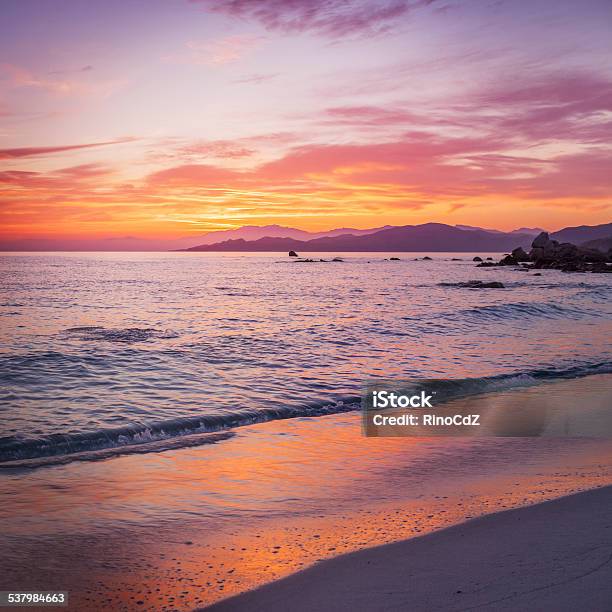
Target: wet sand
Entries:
(187, 527)
(551, 556)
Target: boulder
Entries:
(394, 258)
(508, 260)
(293, 254)
(593, 256)
(426, 258)
(601, 267)
(477, 258)
(541, 240)
(478, 284)
(550, 254)
(520, 255)
(566, 250)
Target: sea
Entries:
(116, 353)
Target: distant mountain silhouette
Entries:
(583, 233)
(533, 231)
(426, 237)
(601, 244)
(254, 232)
(134, 243)
(474, 227)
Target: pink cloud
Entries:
(216, 52)
(193, 174)
(43, 151)
(369, 116)
(71, 179)
(419, 163)
(574, 106)
(223, 149)
(237, 149)
(415, 149)
(330, 18)
(18, 77)
(256, 78)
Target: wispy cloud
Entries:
(15, 77)
(201, 149)
(87, 68)
(256, 78)
(216, 52)
(43, 151)
(330, 18)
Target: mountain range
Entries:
(255, 232)
(133, 243)
(425, 237)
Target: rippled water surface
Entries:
(107, 350)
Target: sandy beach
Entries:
(556, 555)
(188, 527)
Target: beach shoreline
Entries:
(555, 555)
(187, 527)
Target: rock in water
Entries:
(476, 284)
(567, 250)
(293, 254)
(520, 255)
(508, 260)
(477, 258)
(483, 285)
(567, 257)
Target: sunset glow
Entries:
(167, 118)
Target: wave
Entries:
(125, 335)
(17, 452)
(14, 448)
(521, 310)
(155, 446)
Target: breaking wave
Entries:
(20, 452)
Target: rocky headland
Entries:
(551, 254)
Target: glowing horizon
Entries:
(167, 118)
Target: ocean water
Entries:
(122, 352)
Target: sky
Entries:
(170, 118)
